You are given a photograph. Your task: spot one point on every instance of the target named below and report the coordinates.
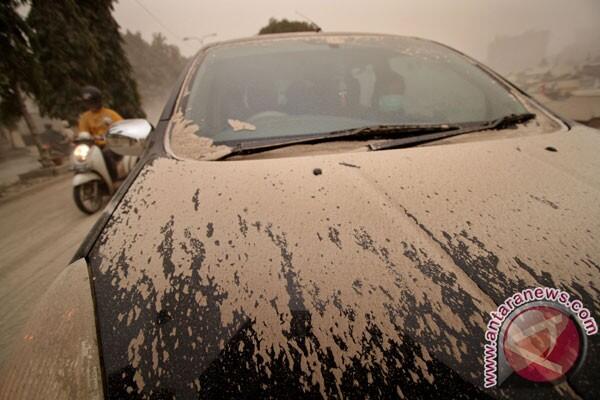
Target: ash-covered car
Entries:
(329, 216)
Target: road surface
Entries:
(39, 233)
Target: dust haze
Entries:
(468, 25)
(541, 45)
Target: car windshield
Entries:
(307, 85)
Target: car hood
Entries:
(346, 275)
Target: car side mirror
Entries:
(128, 137)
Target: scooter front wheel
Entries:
(89, 197)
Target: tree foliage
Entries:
(156, 65)
(285, 26)
(116, 72)
(77, 43)
(17, 66)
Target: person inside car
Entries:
(96, 120)
(391, 94)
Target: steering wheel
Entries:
(266, 114)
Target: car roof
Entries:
(307, 34)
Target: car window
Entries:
(437, 92)
(310, 85)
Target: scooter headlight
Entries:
(81, 152)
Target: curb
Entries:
(44, 172)
(50, 180)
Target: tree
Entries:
(18, 71)
(77, 43)
(115, 71)
(16, 54)
(285, 26)
(156, 66)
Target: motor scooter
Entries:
(92, 183)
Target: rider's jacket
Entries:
(97, 123)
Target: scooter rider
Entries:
(96, 120)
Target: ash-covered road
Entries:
(39, 233)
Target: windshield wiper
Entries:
(412, 134)
(500, 123)
(510, 120)
(363, 133)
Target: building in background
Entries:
(508, 54)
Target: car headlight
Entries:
(81, 152)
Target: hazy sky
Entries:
(468, 25)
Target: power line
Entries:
(155, 18)
(310, 20)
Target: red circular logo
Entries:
(542, 343)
